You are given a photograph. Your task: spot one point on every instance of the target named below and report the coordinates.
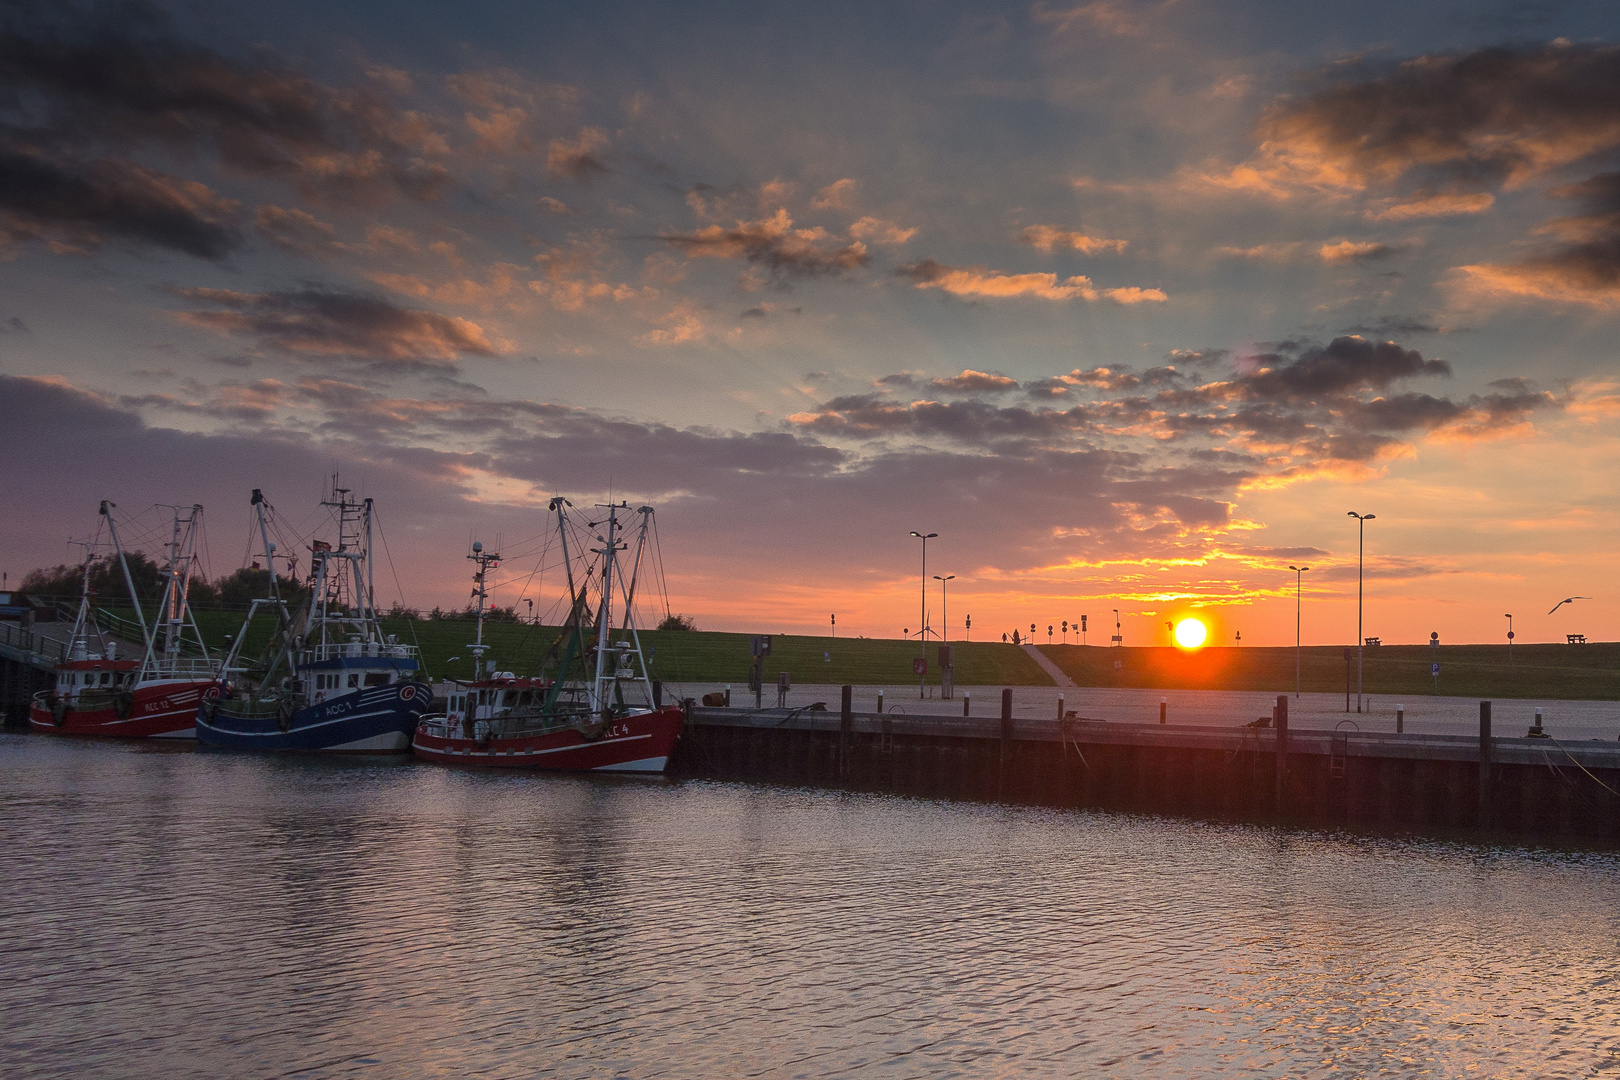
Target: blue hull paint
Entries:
(358, 721)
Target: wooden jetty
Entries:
(1534, 786)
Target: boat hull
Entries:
(163, 709)
(638, 743)
(375, 720)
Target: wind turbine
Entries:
(1567, 600)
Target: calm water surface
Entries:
(184, 914)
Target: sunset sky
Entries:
(1128, 302)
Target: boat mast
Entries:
(177, 592)
(269, 546)
(608, 551)
(371, 575)
(635, 564)
(486, 560)
(129, 582)
(557, 504)
(79, 646)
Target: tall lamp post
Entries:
(1361, 554)
(1509, 618)
(921, 634)
(944, 614)
(1299, 572)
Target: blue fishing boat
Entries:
(329, 679)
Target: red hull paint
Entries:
(159, 710)
(641, 742)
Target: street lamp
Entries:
(1509, 618)
(922, 634)
(1298, 573)
(1361, 553)
(944, 615)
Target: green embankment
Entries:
(1589, 672)
(679, 656)
(1539, 671)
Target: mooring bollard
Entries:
(965, 703)
(1535, 731)
(1484, 764)
(658, 693)
(880, 701)
(1164, 705)
(728, 695)
(1060, 706)
(1400, 719)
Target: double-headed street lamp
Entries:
(922, 634)
(1361, 552)
(1299, 572)
(944, 614)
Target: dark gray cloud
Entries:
(79, 203)
(1443, 133)
(1013, 510)
(316, 323)
(1391, 326)
(85, 87)
(1343, 365)
(1459, 121)
(1590, 258)
(1324, 402)
(775, 244)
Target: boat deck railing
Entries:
(355, 650)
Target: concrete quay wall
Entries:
(1535, 787)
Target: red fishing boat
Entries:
(154, 697)
(600, 711)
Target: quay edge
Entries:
(1531, 787)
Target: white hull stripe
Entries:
(533, 753)
(300, 728)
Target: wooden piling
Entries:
(1280, 723)
(846, 728)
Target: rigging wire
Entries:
(410, 623)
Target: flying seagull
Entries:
(1567, 600)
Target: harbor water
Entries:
(174, 913)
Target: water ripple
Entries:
(200, 915)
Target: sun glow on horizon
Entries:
(1191, 634)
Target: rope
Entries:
(1065, 731)
(663, 580)
(1583, 768)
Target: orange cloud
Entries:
(880, 232)
(577, 157)
(1048, 238)
(979, 282)
(838, 195)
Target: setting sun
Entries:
(1190, 634)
